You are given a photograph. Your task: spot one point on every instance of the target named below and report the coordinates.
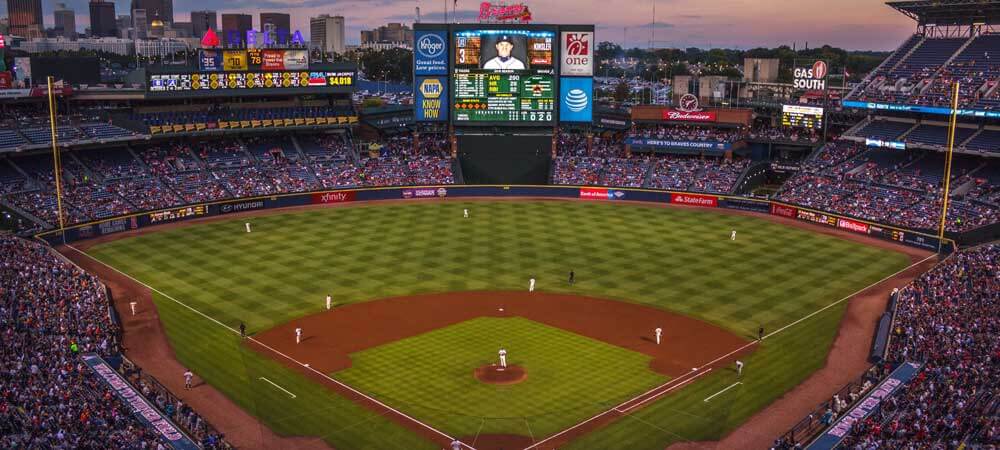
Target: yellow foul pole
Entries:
(56, 162)
(947, 162)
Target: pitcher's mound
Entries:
(494, 374)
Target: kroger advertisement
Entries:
(430, 53)
(576, 99)
(431, 103)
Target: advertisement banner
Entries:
(577, 54)
(425, 193)
(431, 104)
(576, 99)
(141, 408)
(248, 205)
(689, 116)
(810, 216)
(601, 194)
(177, 213)
(852, 225)
(430, 55)
(745, 205)
(234, 61)
(872, 401)
(783, 211)
(707, 201)
(295, 60)
(210, 61)
(272, 60)
(670, 143)
(323, 198)
(811, 78)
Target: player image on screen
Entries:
(506, 58)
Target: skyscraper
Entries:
(201, 21)
(25, 18)
(102, 19)
(236, 25)
(280, 21)
(65, 21)
(327, 33)
(162, 10)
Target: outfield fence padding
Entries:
(761, 206)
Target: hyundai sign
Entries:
(576, 102)
(430, 54)
(577, 53)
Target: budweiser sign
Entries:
(518, 12)
(689, 116)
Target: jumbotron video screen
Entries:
(504, 75)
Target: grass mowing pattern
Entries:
(570, 377)
(677, 259)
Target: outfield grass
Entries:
(570, 377)
(676, 259)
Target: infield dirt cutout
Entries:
(330, 337)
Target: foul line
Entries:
(362, 394)
(724, 390)
(279, 387)
(744, 347)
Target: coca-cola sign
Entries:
(518, 12)
(689, 116)
(783, 211)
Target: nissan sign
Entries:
(811, 78)
(577, 53)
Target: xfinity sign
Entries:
(811, 78)
(430, 56)
(577, 53)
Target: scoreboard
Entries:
(501, 97)
(504, 76)
(802, 116)
(251, 71)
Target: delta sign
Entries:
(279, 37)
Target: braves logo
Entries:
(577, 44)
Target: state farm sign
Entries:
(689, 116)
(694, 200)
(577, 53)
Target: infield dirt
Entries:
(147, 345)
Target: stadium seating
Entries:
(50, 312)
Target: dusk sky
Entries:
(853, 24)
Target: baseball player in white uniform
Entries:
(658, 331)
(187, 378)
(531, 285)
(248, 227)
(503, 358)
(465, 213)
(739, 368)
(329, 301)
(732, 236)
(132, 305)
(456, 445)
(503, 60)
(298, 335)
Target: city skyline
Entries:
(854, 24)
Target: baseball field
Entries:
(425, 298)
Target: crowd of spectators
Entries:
(948, 320)
(50, 313)
(688, 133)
(848, 179)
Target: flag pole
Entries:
(947, 163)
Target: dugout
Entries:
(505, 158)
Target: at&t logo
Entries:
(576, 100)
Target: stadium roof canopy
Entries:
(950, 12)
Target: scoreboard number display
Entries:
(503, 76)
(800, 116)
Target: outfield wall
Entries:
(221, 208)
